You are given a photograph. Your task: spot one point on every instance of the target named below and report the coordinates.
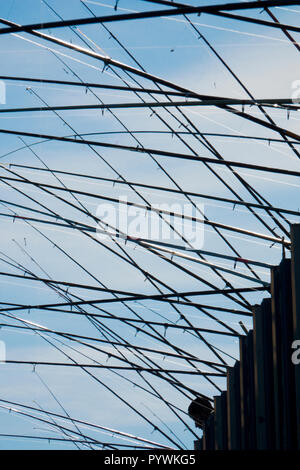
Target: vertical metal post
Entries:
(248, 428)
(263, 375)
(276, 352)
(295, 273)
(234, 407)
(221, 436)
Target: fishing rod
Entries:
(188, 322)
(198, 278)
(147, 14)
(205, 143)
(97, 366)
(115, 181)
(148, 209)
(114, 432)
(155, 160)
(154, 330)
(177, 348)
(39, 33)
(93, 85)
(236, 17)
(81, 342)
(140, 297)
(70, 336)
(163, 153)
(154, 104)
(108, 61)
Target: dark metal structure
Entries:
(261, 407)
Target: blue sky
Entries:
(267, 63)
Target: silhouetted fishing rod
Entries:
(204, 262)
(235, 202)
(70, 440)
(123, 400)
(164, 325)
(204, 312)
(75, 361)
(51, 423)
(209, 253)
(147, 14)
(174, 347)
(73, 337)
(108, 61)
(217, 272)
(99, 366)
(94, 85)
(138, 297)
(189, 323)
(146, 208)
(285, 32)
(147, 104)
(156, 152)
(205, 144)
(114, 432)
(170, 344)
(247, 19)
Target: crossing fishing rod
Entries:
(137, 297)
(269, 140)
(197, 333)
(203, 140)
(114, 432)
(149, 243)
(147, 209)
(115, 181)
(111, 445)
(122, 368)
(165, 172)
(248, 187)
(237, 253)
(206, 282)
(108, 61)
(211, 148)
(205, 102)
(87, 85)
(73, 336)
(148, 14)
(172, 382)
(87, 344)
(236, 17)
(148, 246)
(163, 153)
(156, 104)
(217, 272)
(89, 228)
(165, 325)
(188, 323)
